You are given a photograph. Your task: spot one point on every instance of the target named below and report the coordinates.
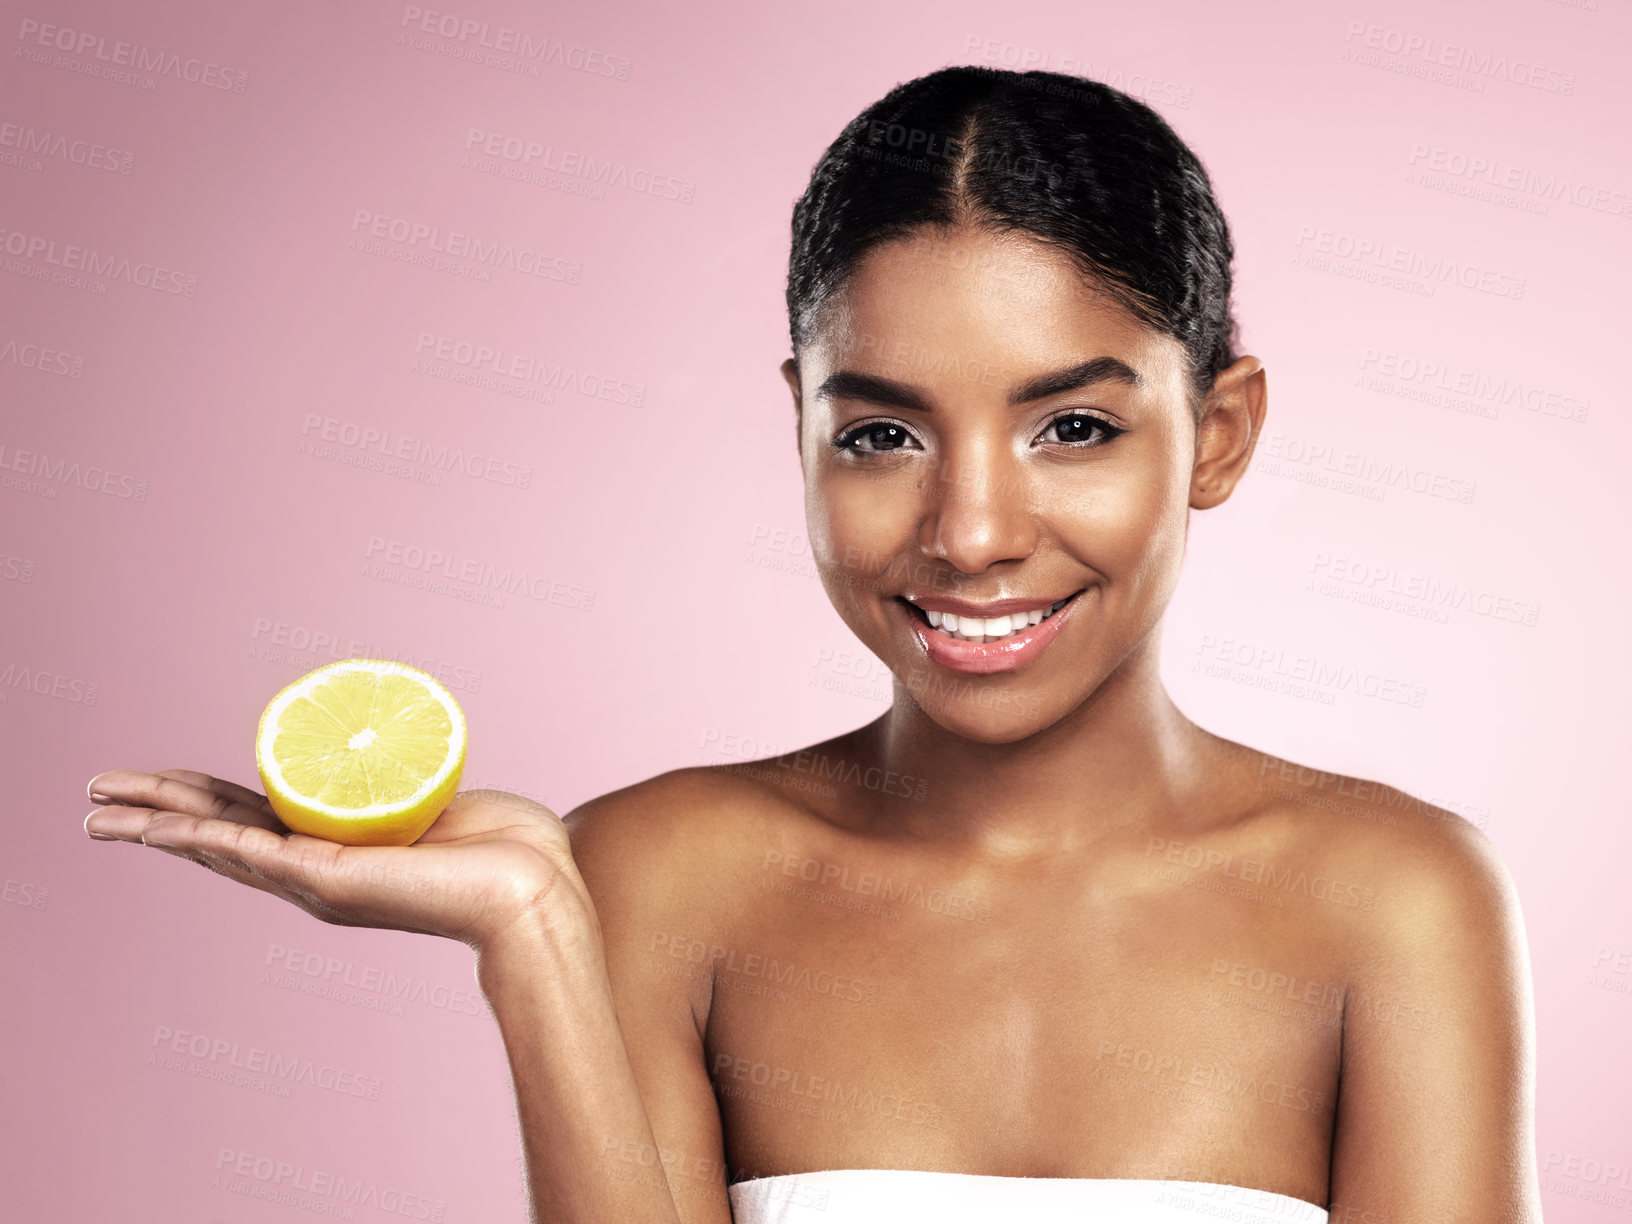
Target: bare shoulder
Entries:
(1435, 1104)
(1436, 877)
(680, 838)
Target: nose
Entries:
(977, 509)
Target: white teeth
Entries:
(989, 629)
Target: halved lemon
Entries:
(365, 751)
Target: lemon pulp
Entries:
(364, 751)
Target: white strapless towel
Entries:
(899, 1196)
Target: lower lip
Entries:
(983, 658)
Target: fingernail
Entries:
(99, 797)
(100, 836)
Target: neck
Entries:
(1126, 755)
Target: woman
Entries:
(1031, 944)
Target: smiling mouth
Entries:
(985, 629)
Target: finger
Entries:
(114, 785)
(247, 867)
(247, 853)
(118, 822)
(129, 821)
(218, 786)
(108, 785)
(348, 885)
(176, 790)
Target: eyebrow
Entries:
(851, 384)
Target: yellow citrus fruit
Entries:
(365, 751)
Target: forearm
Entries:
(576, 1094)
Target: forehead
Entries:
(1001, 302)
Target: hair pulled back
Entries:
(1064, 160)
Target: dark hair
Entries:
(1062, 159)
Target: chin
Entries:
(976, 708)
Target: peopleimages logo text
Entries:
(1409, 45)
(1435, 269)
(131, 55)
(458, 245)
(72, 257)
(520, 43)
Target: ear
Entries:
(1232, 418)
(790, 372)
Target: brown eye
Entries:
(878, 436)
(1082, 429)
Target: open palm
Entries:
(490, 859)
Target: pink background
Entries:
(175, 544)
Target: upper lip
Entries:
(1001, 607)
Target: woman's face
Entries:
(979, 426)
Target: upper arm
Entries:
(644, 859)
(1435, 1096)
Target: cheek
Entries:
(1127, 521)
(859, 525)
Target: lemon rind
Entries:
(272, 771)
